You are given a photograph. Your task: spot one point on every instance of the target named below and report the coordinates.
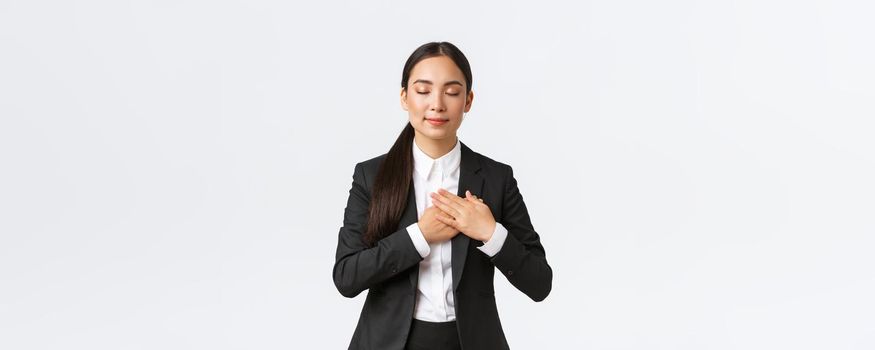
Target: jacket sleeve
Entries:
(522, 259)
(358, 267)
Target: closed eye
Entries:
(426, 93)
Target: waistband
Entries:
(423, 323)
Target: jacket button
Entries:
(510, 272)
(394, 269)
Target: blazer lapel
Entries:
(469, 179)
(407, 219)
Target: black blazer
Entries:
(390, 269)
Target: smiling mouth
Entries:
(436, 122)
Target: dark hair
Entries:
(395, 175)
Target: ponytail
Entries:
(391, 188)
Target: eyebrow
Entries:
(451, 82)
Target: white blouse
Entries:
(434, 296)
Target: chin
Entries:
(427, 131)
(439, 134)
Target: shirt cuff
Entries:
(493, 245)
(418, 240)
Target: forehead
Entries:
(438, 70)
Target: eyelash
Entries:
(425, 93)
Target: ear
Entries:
(404, 98)
(469, 100)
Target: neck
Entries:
(435, 148)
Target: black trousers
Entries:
(425, 335)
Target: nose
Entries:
(437, 103)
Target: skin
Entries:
(437, 91)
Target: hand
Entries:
(469, 215)
(432, 228)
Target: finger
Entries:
(451, 197)
(445, 207)
(459, 207)
(446, 220)
(472, 198)
(440, 210)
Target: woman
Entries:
(427, 224)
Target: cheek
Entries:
(456, 106)
(417, 103)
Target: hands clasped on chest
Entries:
(450, 215)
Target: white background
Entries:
(174, 173)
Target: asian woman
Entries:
(427, 224)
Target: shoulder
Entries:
(489, 163)
(366, 171)
(489, 167)
(369, 166)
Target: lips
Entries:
(436, 121)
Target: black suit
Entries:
(390, 269)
